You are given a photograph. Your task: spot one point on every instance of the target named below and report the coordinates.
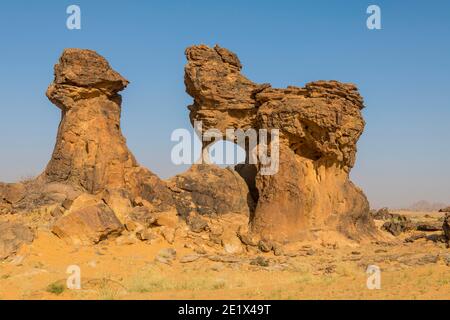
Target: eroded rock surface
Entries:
(319, 125)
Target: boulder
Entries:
(429, 226)
(88, 225)
(197, 224)
(398, 224)
(382, 214)
(210, 190)
(231, 243)
(12, 236)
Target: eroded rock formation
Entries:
(94, 189)
(319, 125)
(93, 186)
(90, 151)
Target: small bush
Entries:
(56, 288)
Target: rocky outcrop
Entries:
(319, 127)
(447, 209)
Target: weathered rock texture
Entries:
(319, 125)
(210, 190)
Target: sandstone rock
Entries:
(146, 235)
(216, 229)
(415, 237)
(124, 240)
(319, 125)
(119, 201)
(67, 204)
(445, 210)
(143, 216)
(90, 150)
(398, 224)
(265, 246)
(197, 224)
(168, 234)
(260, 261)
(247, 237)
(231, 243)
(382, 214)
(90, 155)
(278, 249)
(88, 225)
(210, 190)
(166, 256)
(225, 258)
(12, 193)
(167, 219)
(190, 258)
(429, 226)
(446, 228)
(12, 237)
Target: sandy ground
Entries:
(418, 270)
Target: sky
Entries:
(401, 70)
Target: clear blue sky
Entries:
(402, 71)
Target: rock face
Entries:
(319, 126)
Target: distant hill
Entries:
(426, 206)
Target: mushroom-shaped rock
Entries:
(90, 150)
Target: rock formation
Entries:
(319, 125)
(90, 151)
(94, 189)
(93, 185)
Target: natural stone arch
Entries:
(319, 126)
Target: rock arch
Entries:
(319, 125)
